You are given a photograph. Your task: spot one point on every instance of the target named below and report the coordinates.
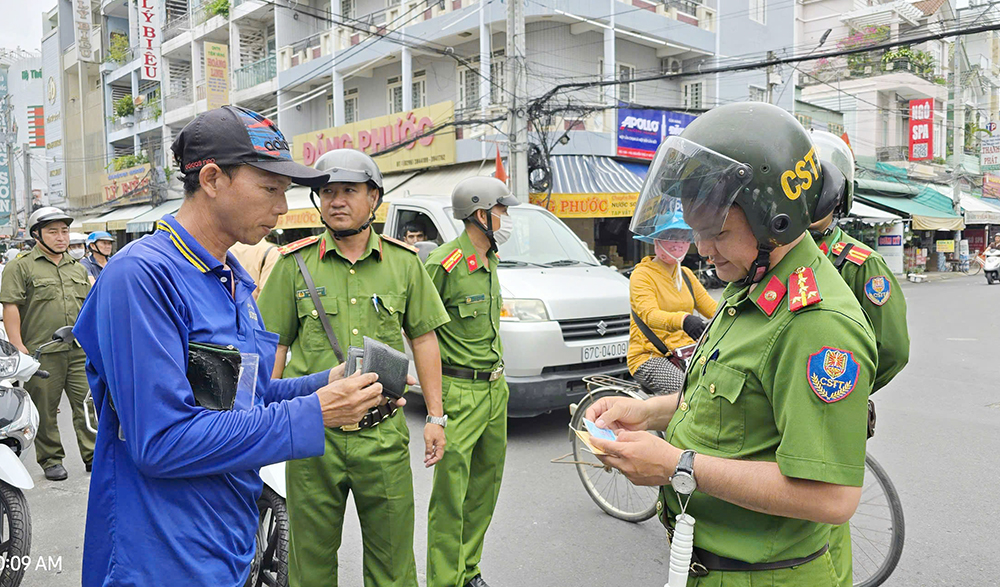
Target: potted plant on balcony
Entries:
(923, 64)
(125, 110)
(900, 59)
(118, 49)
(218, 7)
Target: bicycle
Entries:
(975, 265)
(877, 527)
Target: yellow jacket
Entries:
(662, 307)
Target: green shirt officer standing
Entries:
(42, 291)
(368, 285)
(771, 424)
(874, 286)
(467, 480)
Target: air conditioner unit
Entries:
(671, 65)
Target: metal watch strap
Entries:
(319, 306)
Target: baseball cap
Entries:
(231, 135)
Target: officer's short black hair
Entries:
(192, 183)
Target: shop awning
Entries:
(924, 217)
(81, 219)
(144, 222)
(590, 174)
(869, 215)
(117, 218)
(979, 211)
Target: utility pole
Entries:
(27, 183)
(958, 119)
(770, 73)
(517, 82)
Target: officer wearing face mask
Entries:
(665, 297)
(77, 245)
(467, 480)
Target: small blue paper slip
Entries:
(598, 432)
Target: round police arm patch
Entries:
(878, 289)
(832, 374)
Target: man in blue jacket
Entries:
(175, 480)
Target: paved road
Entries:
(938, 436)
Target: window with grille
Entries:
(692, 94)
(837, 129)
(758, 11)
(468, 88)
(498, 80)
(419, 95)
(347, 8)
(805, 120)
(350, 110)
(626, 92)
(757, 94)
(395, 95)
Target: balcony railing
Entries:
(178, 98)
(199, 91)
(176, 24)
(257, 72)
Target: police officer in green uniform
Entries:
(771, 425)
(42, 291)
(368, 285)
(467, 480)
(874, 286)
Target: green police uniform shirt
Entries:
(48, 296)
(384, 293)
(782, 374)
(880, 296)
(470, 290)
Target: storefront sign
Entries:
(890, 245)
(945, 246)
(991, 186)
(989, 154)
(36, 127)
(149, 38)
(55, 193)
(128, 185)
(640, 132)
(588, 205)
(921, 129)
(377, 134)
(6, 190)
(976, 238)
(82, 27)
(216, 74)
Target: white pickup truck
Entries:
(564, 315)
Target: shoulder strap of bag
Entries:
(263, 261)
(687, 281)
(650, 336)
(319, 306)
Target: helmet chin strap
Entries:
(341, 234)
(760, 265)
(488, 229)
(41, 242)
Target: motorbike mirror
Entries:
(64, 334)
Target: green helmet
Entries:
(837, 195)
(751, 154)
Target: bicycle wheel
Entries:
(609, 489)
(877, 529)
(974, 267)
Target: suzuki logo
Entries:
(602, 328)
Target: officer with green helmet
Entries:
(765, 447)
(467, 480)
(361, 284)
(42, 291)
(874, 286)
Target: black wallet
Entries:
(213, 372)
(390, 365)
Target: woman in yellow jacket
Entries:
(665, 299)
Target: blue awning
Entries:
(590, 174)
(640, 169)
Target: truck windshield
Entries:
(540, 238)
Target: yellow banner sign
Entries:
(216, 74)
(588, 205)
(378, 134)
(946, 246)
(131, 183)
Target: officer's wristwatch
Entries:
(441, 421)
(683, 479)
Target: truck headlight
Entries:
(524, 311)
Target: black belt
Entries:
(714, 562)
(374, 417)
(463, 373)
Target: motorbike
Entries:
(18, 427)
(270, 561)
(991, 266)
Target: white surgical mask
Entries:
(76, 253)
(502, 234)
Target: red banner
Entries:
(921, 129)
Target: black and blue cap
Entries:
(231, 135)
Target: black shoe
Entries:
(477, 581)
(56, 473)
(89, 466)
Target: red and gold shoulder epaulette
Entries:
(400, 243)
(299, 244)
(857, 255)
(771, 296)
(452, 260)
(824, 248)
(802, 289)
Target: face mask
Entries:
(502, 234)
(76, 253)
(671, 252)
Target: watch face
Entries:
(683, 483)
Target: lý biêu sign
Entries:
(419, 146)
